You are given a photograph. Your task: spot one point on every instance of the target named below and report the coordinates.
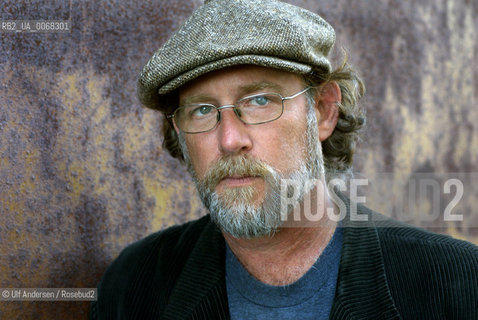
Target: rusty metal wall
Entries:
(82, 171)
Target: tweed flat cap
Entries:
(223, 33)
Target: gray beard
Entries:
(234, 213)
(243, 219)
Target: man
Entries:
(264, 125)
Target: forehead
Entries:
(241, 80)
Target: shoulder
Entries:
(409, 244)
(165, 243)
(147, 269)
(429, 273)
(394, 235)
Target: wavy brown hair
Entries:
(338, 149)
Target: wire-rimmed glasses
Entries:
(255, 109)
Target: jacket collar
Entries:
(362, 290)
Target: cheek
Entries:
(296, 146)
(296, 130)
(287, 146)
(200, 154)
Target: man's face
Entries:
(237, 167)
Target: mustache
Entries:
(236, 167)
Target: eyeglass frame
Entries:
(171, 116)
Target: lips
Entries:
(235, 172)
(237, 181)
(240, 176)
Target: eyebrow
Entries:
(195, 99)
(243, 91)
(259, 86)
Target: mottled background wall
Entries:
(82, 171)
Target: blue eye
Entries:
(201, 110)
(259, 100)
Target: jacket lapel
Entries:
(362, 291)
(200, 292)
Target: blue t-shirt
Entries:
(310, 297)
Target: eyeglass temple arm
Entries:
(298, 93)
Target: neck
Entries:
(285, 256)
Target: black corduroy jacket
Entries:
(387, 271)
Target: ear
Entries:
(171, 123)
(328, 98)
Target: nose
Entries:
(233, 135)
